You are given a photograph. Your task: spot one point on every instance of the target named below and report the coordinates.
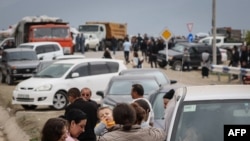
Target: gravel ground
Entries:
(21, 125)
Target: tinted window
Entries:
(121, 87)
(21, 55)
(56, 47)
(201, 117)
(98, 68)
(82, 70)
(39, 49)
(48, 48)
(113, 66)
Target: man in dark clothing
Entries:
(89, 108)
(114, 44)
(235, 60)
(153, 51)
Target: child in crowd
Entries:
(106, 123)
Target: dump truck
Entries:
(105, 31)
(44, 28)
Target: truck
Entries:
(105, 31)
(44, 28)
(221, 42)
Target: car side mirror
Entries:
(173, 81)
(75, 74)
(100, 93)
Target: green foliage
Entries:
(247, 39)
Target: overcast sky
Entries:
(142, 16)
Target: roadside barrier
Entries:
(220, 69)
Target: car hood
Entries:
(37, 82)
(24, 64)
(112, 100)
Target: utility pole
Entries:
(214, 32)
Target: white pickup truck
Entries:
(221, 42)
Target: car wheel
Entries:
(177, 66)
(60, 100)
(162, 64)
(2, 77)
(29, 107)
(9, 79)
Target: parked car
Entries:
(45, 50)
(119, 88)
(176, 53)
(201, 112)
(50, 86)
(17, 64)
(160, 75)
(91, 42)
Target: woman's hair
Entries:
(53, 129)
(124, 114)
(75, 115)
(140, 113)
(144, 104)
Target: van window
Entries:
(56, 47)
(113, 66)
(39, 50)
(48, 48)
(99, 68)
(82, 70)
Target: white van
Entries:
(50, 86)
(45, 50)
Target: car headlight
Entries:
(46, 87)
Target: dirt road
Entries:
(30, 122)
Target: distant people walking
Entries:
(153, 51)
(114, 44)
(205, 64)
(244, 57)
(77, 46)
(186, 60)
(126, 46)
(82, 43)
(235, 59)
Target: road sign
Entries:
(190, 26)
(190, 37)
(166, 34)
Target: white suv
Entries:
(50, 86)
(45, 50)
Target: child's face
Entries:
(105, 114)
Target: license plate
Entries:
(23, 96)
(27, 75)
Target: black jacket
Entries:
(91, 110)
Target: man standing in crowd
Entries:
(126, 47)
(76, 102)
(137, 93)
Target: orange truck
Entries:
(43, 28)
(104, 31)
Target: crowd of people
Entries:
(85, 120)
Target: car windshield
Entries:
(205, 120)
(59, 32)
(26, 46)
(178, 48)
(43, 65)
(159, 75)
(123, 87)
(88, 28)
(54, 70)
(21, 55)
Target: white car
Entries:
(50, 86)
(45, 50)
(91, 42)
(207, 112)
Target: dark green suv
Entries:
(16, 64)
(175, 55)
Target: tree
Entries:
(247, 38)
